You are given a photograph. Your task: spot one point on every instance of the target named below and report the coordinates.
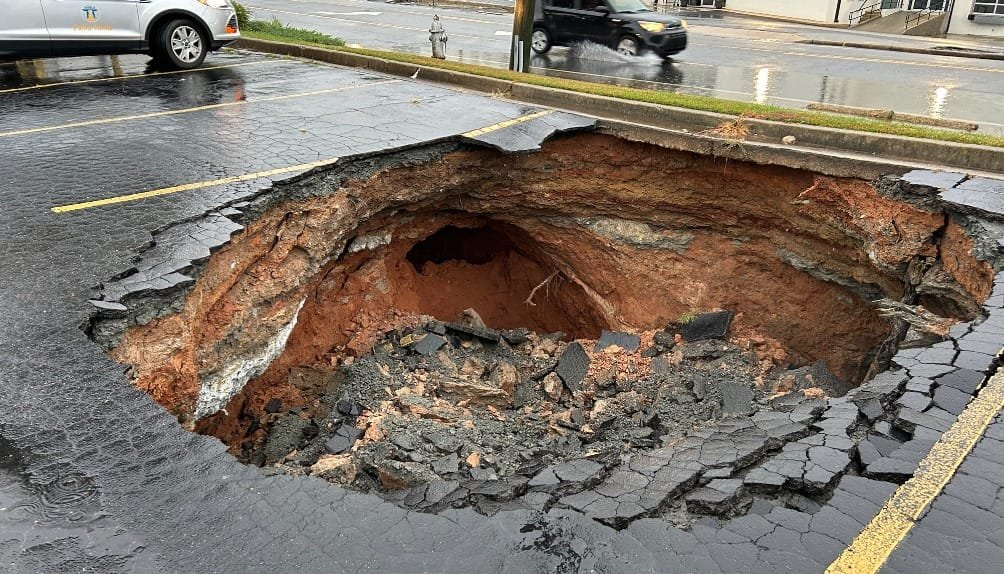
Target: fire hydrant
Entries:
(438, 38)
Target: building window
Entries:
(988, 7)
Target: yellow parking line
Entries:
(876, 542)
(190, 110)
(134, 76)
(505, 124)
(191, 186)
(256, 175)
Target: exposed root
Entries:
(529, 298)
(736, 130)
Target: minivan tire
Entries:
(540, 41)
(181, 44)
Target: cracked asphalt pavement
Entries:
(97, 155)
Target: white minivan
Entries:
(177, 33)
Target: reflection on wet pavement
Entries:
(770, 82)
(770, 85)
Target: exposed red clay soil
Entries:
(634, 235)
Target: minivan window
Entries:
(628, 6)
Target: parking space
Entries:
(99, 152)
(106, 129)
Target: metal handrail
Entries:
(880, 5)
(926, 14)
(857, 14)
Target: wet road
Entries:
(728, 57)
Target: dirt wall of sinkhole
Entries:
(635, 236)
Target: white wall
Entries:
(817, 10)
(960, 23)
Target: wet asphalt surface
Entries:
(728, 56)
(94, 475)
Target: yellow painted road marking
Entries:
(134, 76)
(191, 186)
(190, 110)
(505, 124)
(876, 542)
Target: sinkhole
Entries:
(456, 318)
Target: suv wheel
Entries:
(628, 46)
(180, 44)
(540, 41)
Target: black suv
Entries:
(628, 26)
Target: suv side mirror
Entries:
(602, 10)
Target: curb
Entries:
(890, 147)
(895, 48)
(893, 115)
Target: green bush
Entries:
(275, 30)
(243, 15)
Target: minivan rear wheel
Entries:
(181, 44)
(628, 46)
(540, 41)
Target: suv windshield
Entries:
(628, 6)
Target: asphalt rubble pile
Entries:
(451, 414)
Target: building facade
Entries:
(969, 17)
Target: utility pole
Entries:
(522, 29)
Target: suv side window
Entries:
(561, 4)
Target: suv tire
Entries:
(628, 46)
(181, 44)
(540, 41)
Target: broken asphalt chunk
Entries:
(348, 407)
(343, 439)
(429, 344)
(708, 326)
(573, 366)
(515, 336)
(484, 333)
(625, 341)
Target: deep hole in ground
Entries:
(433, 320)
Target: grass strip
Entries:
(276, 30)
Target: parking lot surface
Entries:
(98, 153)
